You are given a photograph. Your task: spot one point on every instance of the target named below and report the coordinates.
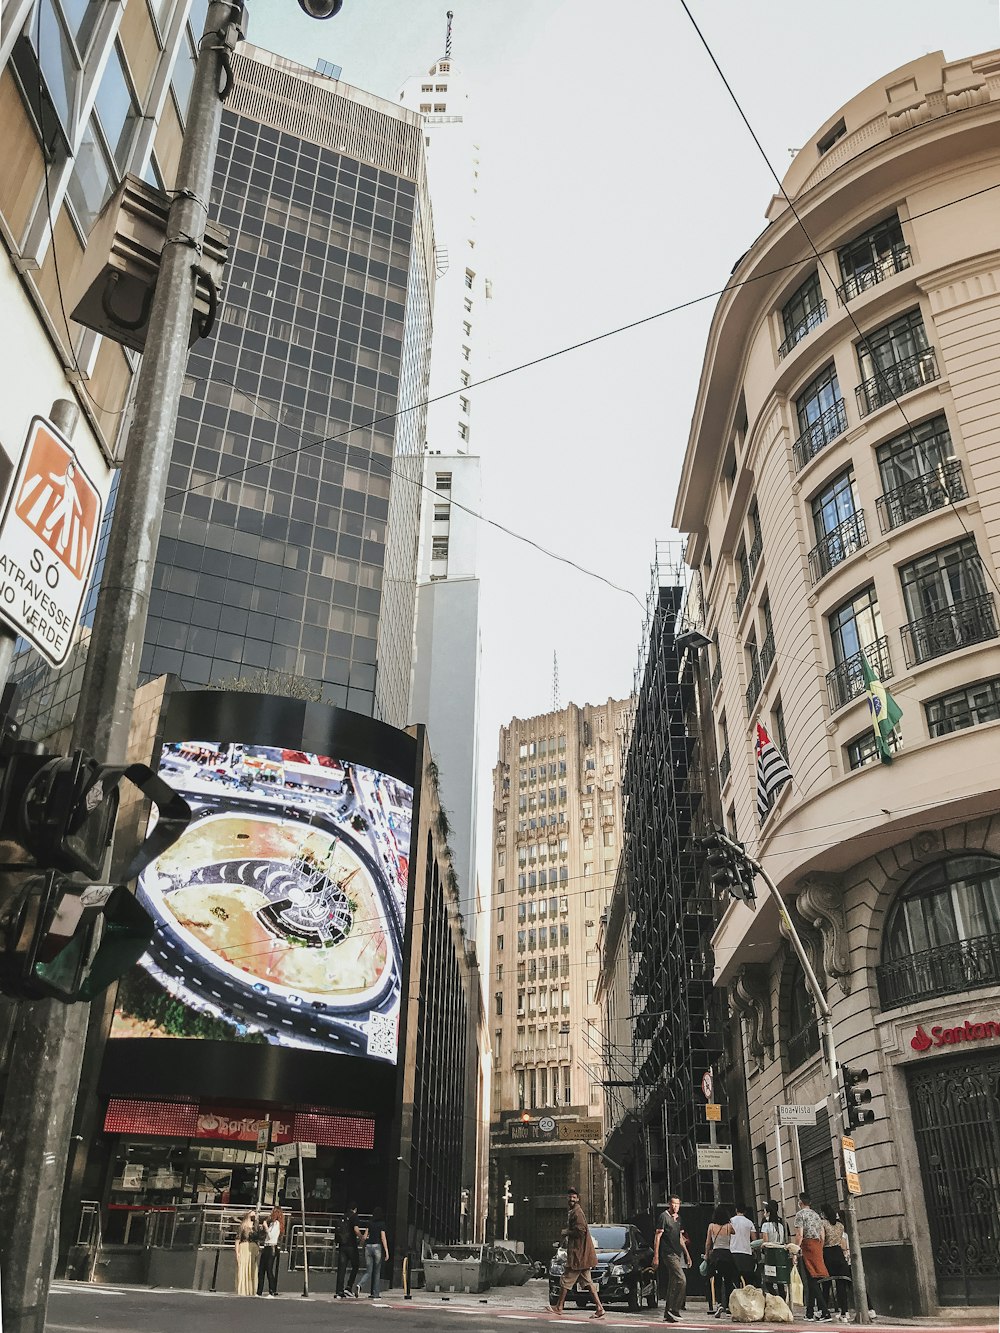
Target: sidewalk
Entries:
(533, 1299)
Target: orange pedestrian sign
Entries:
(48, 540)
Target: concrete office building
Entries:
(289, 539)
(557, 829)
(841, 493)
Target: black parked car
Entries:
(623, 1271)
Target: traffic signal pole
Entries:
(47, 1051)
(826, 1033)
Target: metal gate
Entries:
(956, 1115)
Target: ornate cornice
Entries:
(750, 996)
(820, 901)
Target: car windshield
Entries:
(610, 1238)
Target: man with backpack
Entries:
(350, 1234)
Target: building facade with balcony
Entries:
(841, 490)
(557, 835)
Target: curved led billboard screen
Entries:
(281, 911)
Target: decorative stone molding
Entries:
(821, 902)
(927, 842)
(750, 996)
(811, 939)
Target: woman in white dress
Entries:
(247, 1256)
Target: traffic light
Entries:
(730, 868)
(856, 1097)
(62, 935)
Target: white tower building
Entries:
(445, 685)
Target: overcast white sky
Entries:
(618, 181)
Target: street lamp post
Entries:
(46, 1055)
(826, 1033)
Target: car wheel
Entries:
(651, 1298)
(633, 1293)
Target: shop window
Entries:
(942, 934)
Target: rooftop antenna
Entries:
(556, 705)
(447, 40)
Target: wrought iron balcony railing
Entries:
(743, 591)
(922, 495)
(755, 552)
(754, 688)
(847, 680)
(819, 433)
(716, 676)
(946, 970)
(725, 764)
(973, 620)
(766, 656)
(895, 380)
(804, 326)
(836, 546)
(894, 262)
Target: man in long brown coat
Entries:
(580, 1257)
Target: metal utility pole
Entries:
(826, 1033)
(47, 1050)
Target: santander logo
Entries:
(942, 1036)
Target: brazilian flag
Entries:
(884, 710)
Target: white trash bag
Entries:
(746, 1305)
(776, 1310)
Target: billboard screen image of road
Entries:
(280, 912)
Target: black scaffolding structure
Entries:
(678, 1018)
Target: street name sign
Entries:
(48, 541)
(792, 1114)
(715, 1158)
(287, 1152)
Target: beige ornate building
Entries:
(556, 842)
(841, 489)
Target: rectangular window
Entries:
(499, 1003)
(442, 481)
(819, 411)
(839, 525)
(466, 353)
(591, 991)
(893, 343)
(968, 707)
(463, 431)
(856, 627)
(864, 750)
(442, 513)
(801, 313)
(499, 944)
(499, 971)
(947, 602)
(499, 913)
(470, 278)
(464, 404)
(439, 548)
(873, 256)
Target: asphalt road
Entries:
(78, 1308)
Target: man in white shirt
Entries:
(744, 1233)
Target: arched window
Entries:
(802, 1039)
(942, 935)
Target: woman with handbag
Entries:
(835, 1256)
(722, 1274)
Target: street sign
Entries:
(287, 1152)
(263, 1134)
(851, 1167)
(48, 540)
(546, 1126)
(707, 1085)
(713, 1111)
(792, 1114)
(715, 1159)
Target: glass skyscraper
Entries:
(290, 531)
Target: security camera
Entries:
(321, 9)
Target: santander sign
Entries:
(941, 1036)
